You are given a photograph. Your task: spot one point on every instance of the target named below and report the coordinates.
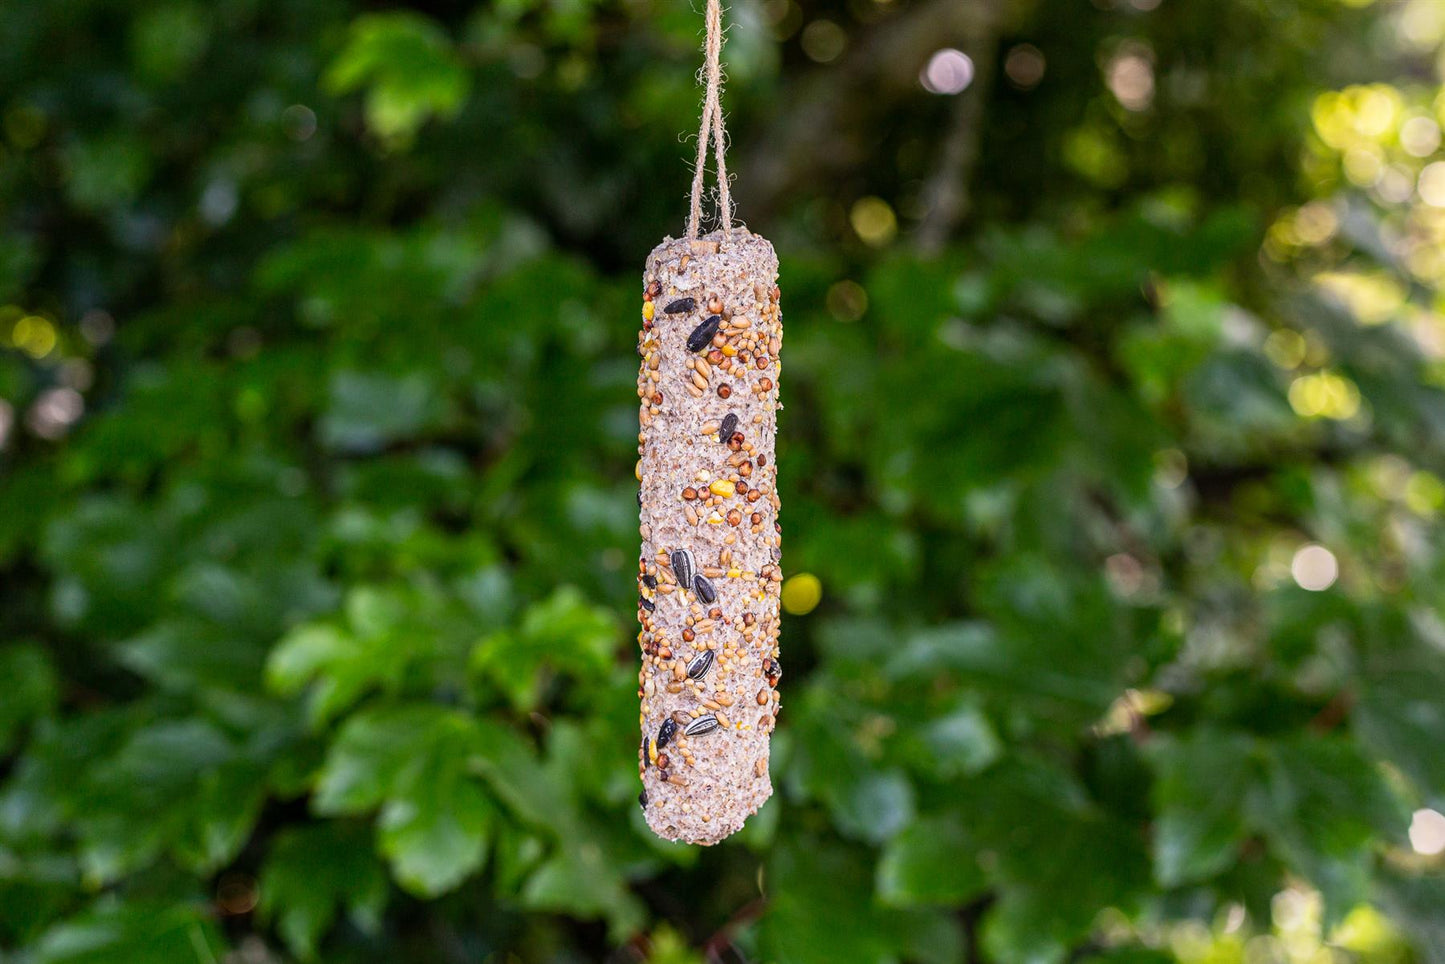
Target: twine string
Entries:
(712, 124)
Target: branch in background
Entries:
(828, 125)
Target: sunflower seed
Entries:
(704, 588)
(698, 668)
(645, 761)
(701, 725)
(701, 336)
(650, 581)
(647, 604)
(664, 733)
(642, 799)
(680, 306)
(683, 567)
(728, 427)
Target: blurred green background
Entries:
(1111, 466)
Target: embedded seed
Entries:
(698, 668)
(680, 306)
(689, 493)
(683, 567)
(734, 517)
(709, 428)
(703, 334)
(760, 768)
(674, 688)
(649, 581)
(722, 719)
(680, 718)
(735, 441)
(715, 305)
(642, 799)
(766, 384)
(724, 698)
(664, 733)
(723, 391)
(704, 589)
(762, 696)
(701, 725)
(772, 669)
(728, 427)
(699, 381)
(723, 488)
(662, 761)
(647, 604)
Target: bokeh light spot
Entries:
(824, 41)
(948, 71)
(1131, 77)
(1427, 832)
(1314, 568)
(34, 335)
(802, 593)
(1324, 395)
(299, 122)
(1432, 184)
(1420, 136)
(1024, 66)
(847, 301)
(874, 221)
(1285, 348)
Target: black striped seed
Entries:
(698, 668)
(704, 588)
(701, 725)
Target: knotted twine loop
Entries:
(712, 123)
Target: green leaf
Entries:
(311, 873)
(416, 763)
(933, 861)
(435, 835)
(1203, 778)
(1322, 806)
(409, 68)
(1400, 713)
(561, 634)
(1415, 902)
(821, 908)
(133, 932)
(30, 690)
